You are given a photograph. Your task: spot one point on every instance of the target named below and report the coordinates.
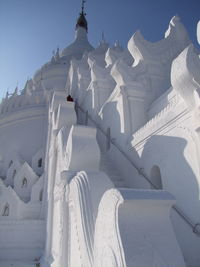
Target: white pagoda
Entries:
(99, 156)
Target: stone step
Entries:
(114, 174)
(107, 167)
(119, 184)
(114, 178)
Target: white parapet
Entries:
(82, 149)
(185, 76)
(57, 98)
(64, 115)
(86, 190)
(133, 228)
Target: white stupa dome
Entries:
(53, 74)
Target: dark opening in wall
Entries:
(24, 182)
(6, 210)
(40, 163)
(156, 178)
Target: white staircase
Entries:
(108, 167)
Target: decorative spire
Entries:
(83, 6)
(103, 40)
(16, 91)
(82, 22)
(57, 55)
(117, 46)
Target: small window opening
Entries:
(156, 178)
(6, 210)
(14, 173)
(41, 195)
(24, 182)
(40, 163)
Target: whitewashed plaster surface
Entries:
(69, 212)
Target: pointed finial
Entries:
(57, 55)
(83, 6)
(103, 42)
(16, 91)
(103, 37)
(82, 22)
(7, 94)
(117, 46)
(116, 43)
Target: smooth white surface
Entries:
(152, 118)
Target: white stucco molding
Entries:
(57, 98)
(176, 39)
(72, 78)
(112, 55)
(12, 170)
(82, 149)
(100, 74)
(100, 87)
(151, 239)
(86, 190)
(125, 75)
(24, 190)
(185, 76)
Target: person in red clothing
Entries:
(70, 99)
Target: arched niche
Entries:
(5, 211)
(41, 195)
(24, 182)
(40, 163)
(14, 174)
(156, 177)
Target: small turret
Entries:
(57, 55)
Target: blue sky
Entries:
(31, 29)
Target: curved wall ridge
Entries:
(185, 75)
(86, 190)
(117, 245)
(163, 51)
